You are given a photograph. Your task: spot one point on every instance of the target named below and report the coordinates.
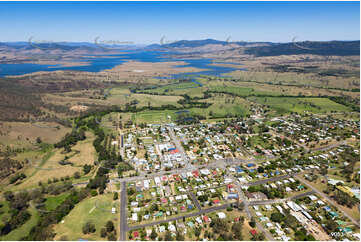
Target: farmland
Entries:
(315, 105)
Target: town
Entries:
(260, 178)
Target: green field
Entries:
(96, 209)
(53, 202)
(173, 87)
(154, 116)
(17, 234)
(288, 104)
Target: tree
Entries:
(88, 228)
(86, 168)
(197, 232)
(110, 226)
(179, 236)
(115, 196)
(252, 223)
(38, 140)
(112, 237)
(103, 232)
(237, 231)
(154, 234)
(168, 236)
(277, 217)
(77, 175)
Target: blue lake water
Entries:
(100, 63)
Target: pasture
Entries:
(22, 134)
(48, 167)
(289, 104)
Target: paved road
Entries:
(265, 202)
(179, 146)
(195, 201)
(272, 179)
(203, 211)
(328, 199)
(123, 213)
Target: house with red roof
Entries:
(174, 151)
(195, 173)
(135, 234)
(206, 219)
(253, 232)
(216, 201)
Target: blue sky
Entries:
(147, 22)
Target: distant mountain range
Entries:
(338, 48)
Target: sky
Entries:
(149, 22)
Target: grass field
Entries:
(314, 105)
(21, 134)
(223, 105)
(173, 89)
(48, 166)
(154, 116)
(86, 211)
(53, 202)
(310, 79)
(17, 234)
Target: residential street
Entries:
(123, 212)
(328, 199)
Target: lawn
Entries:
(96, 209)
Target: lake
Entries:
(100, 63)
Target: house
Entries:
(255, 196)
(135, 234)
(171, 228)
(221, 215)
(253, 232)
(161, 229)
(135, 217)
(199, 220)
(206, 219)
(232, 196)
(295, 207)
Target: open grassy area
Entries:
(223, 105)
(21, 134)
(96, 209)
(53, 202)
(289, 104)
(153, 116)
(48, 166)
(17, 234)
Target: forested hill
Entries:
(327, 48)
